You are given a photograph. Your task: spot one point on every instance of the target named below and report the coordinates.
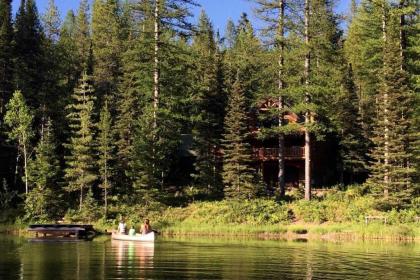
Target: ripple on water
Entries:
(230, 259)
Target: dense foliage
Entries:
(129, 107)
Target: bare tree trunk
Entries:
(156, 77)
(81, 198)
(156, 70)
(307, 100)
(16, 167)
(403, 46)
(25, 163)
(386, 121)
(106, 184)
(360, 106)
(403, 41)
(281, 174)
(81, 194)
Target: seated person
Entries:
(132, 231)
(122, 227)
(146, 227)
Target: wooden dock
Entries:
(62, 231)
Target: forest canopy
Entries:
(134, 103)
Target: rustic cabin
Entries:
(265, 150)
(323, 162)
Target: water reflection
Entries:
(207, 259)
(129, 254)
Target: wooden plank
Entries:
(86, 227)
(42, 230)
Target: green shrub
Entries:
(6, 195)
(358, 208)
(355, 191)
(415, 205)
(89, 212)
(42, 206)
(401, 217)
(309, 211)
(251, 212)
(10, 215)
(296, 194)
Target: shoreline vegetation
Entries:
(294, 232)
(334, 216)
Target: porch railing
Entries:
(294, 152)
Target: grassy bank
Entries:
(334, 215)
(298, 231)
(8, 228)
(316, 219)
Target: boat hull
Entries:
(150, 237)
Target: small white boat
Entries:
(150, 237)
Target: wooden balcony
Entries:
(267, 154)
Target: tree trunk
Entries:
(106, 184)
(16, 167)
(81, 198)
(403, 41)
(386, 121)
(403, 46)
(156, 77)
(81, 193)
(281, 179)
(307, 113)
(25, 163)
(156, 68)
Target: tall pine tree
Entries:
(80, 162)
(106, 153)
(106, 46)
(29, 65)
(134, 91)
(6, 53)
(391, 173)
(52, 22)
(43, 201)
(208, 101)
(82, 38)
(363, 49)
(53, 87)
(238, 176)
(162, 27)
(275, 16)
(69, 54)
(353, 147)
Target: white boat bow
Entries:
(150, 237)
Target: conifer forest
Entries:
(123, 104)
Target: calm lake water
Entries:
(207, 259)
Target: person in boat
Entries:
(122, 227)
(146, 227)
(132, 231)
